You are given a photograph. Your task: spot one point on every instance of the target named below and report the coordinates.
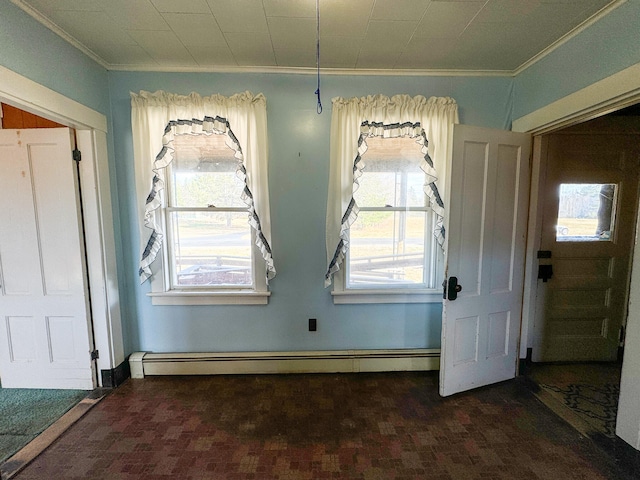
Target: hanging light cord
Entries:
(319, 105)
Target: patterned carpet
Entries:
(305, 427)
(590, 391)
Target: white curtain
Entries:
(352, 120)
(157, 117)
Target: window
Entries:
(586, 212)
(385, 212)
(208, 208)
(391, 242)
(209, 238)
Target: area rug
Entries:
(25, 413)
(597, 404)
(590, 391)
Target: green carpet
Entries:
(25, 413)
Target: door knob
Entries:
(452, 288)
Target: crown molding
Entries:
(60, 32)
(312, 70)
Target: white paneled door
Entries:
(45, 335)
(486, 236)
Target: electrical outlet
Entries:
(313, 324)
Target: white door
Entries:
(486, 235)
(45, 337)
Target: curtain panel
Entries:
(352, 121)
(157, 117)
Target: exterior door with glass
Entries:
(589, 220)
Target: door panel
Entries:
(45, 338)
(487, 198)
(586, 298)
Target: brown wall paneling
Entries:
(13, 117)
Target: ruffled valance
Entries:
(241, 118)
(354, 120)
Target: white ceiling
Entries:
(468, 35)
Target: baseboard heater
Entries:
(342, 361)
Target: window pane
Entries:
(585, 212)
(387, 249)
(211, 249)
(392, 175)
(204, 173)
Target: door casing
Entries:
(612, 93)
(91, 128)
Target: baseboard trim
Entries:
(115, 377)
(335, 361)
(524, 364)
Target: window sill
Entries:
(231, 297)
(386, 296)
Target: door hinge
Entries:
(77, 156)
(95, 354)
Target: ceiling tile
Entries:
(292, 33)
(338, 17)
(461, 34)
(124, 54)
(377, 58)
(239, 16)
(295, 58)
(135, 14)
(251, 49)
(399, 9)
(289, 8)
(563, 17)
(193, 29)
(588, 4)
(171, 6)
(163, 46)
(494, 46)
(91, 28)
(507, 10)
(447, 20)
(206, 56)
(388, 35)
(339, 52)
(47, 6)
(426, 53)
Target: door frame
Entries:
(91, 130)
(605, 96)
(612, 93)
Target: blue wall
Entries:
(610, 45)
(298, 147)
(298, 176)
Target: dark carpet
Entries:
(343, 426)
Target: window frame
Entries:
(605, 236)
(433, 265)
(163, 292)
